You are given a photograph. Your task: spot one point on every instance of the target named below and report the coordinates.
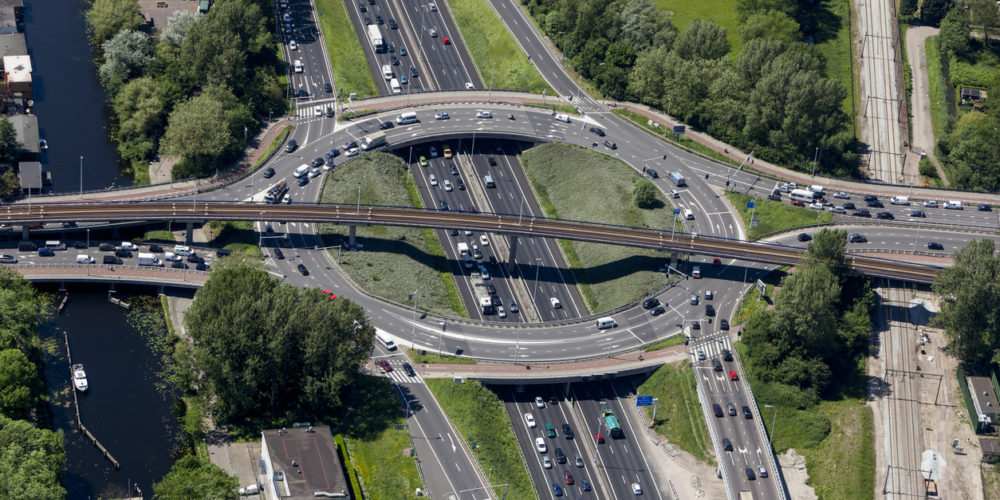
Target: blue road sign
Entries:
(751, 204)
(677, 211)
(644, 401)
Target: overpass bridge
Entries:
(124, 275)
(510, 224)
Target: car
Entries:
(413, 73)
(368, 20)
(839, 209)
(597, 131)
(446, 151)
(195, 259)
(578, 459)
(444, 205)
(470, 86)
(540, 445)
(871, 197)
(385, 365)
(982, 208)
(446, 41)
(727, 445)
(816, 206)
(352, 152)
(119, 253)
(716, 262)
(268, 173)
(547, 462)
(393, 24)
(549, 430)
(567, 431)
(327, 87)
(291, 145)
(750, 474)
(302, 270)
(422, 161)
(350, 144)
(885, 215)
(406, 366)
(312, 173)
(175, 265)
(918, 213)
(441, 116)
(403, 80)
(610, 144)
(716, 365)
(529, 419)
(318, 111)
(568, 477)
(539, 402)
(709, 310)
(433, 180)
(433, 33)
(433, 6)
(762, 471)
(842, 195)
(875, 204)
(390, 47)
(278, 254)
(636, 490)
(933, 245)
(556, 490)
(953, 205)
(930, 204)
(303, 180)
(727, 355)
(797, 203)
(701, 354)
(433, 151)
(484, 114)
(723, 324)
(746, 412)
(599, 438)
(385, 125)
(652, 173)
(454, 169)
(555, 303)
(500, 310)
(8, 259)
(447, 185)
(858, 238)
(656, 311)
(362, 7)
(483, 240)
(513, 306)
(849, 206)
(317, 162)
(734, 377)
(861, 212)
(804, 237)
(402, 50)
(460, 183)
(394, 60)
(492, 161)
(484, 273)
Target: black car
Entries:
(303, 270)
(727, 355)
(385, 125)
(318, 162)
(368, 20)
(750, 475)
(107, 247)
(195, 259)
(409, 370)
(849, 205)
(67, 225)
(858, 238)
(918, 213)
(155, 249)
(984, 207)
(413, 71)
(278, 254)
(362, 7)
(123, 253)
(934, 246)
(567, 431)
(611, 144)
(491, 161)
(709, 310)
(650, 303)
(454, 170)
(108, 259)
(176, 265)
(493, 260)
(460, 183)
(291, 146)
(395, 60)
(870, 197)
(492, 290)
(861, 212)
(875, 204)
(327, 87)
(804, 237)
(717, 409)
(392, 24)
(378, 18)
(885, 215)
(656, 311)
(652, 173)
(268, 173)
(202, 266)
(80, 244)
(595, 130)
(350, 144)
(723, 324)
(746, 412)
(303, 180)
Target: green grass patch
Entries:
(775, 216)
(350, 67)
(663, 344)
(235, 236)
(430, 358)
(350, 115)
(375, 447)
(480, 417)
(394, 261)
(754, 302)
(157, 236)
(835, 19)
(166, 316)
(561, 108)
(608, 275)
(722, 12)
(679, 417)
(936, 86)
(494, 50)
(140, 173)
(682, 141)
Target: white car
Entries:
(953, 205)
(351, 152)
(555, 303)
(529, 419)
(636, 490)
(501, 312)
(701, 355)
(287, 200)
(930, 204)
(483, 240)
(469, 86)
(434, 180)
(468, 233)
(433, 6)
(547, 462)
(315, 172)
(447, 185)
(171, 257)
(842, 195)
(128, 245)
(484, 114)
(540, 445)
(287, 18)
(539, 402)
(318, 111)
(434, 33)
(292, 45)
(816, 206)
(441, 116)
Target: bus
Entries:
(611, 423)
(803, 195)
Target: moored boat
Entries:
(80, 378)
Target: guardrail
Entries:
(703, 400)
(763, 431)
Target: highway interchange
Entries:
(500, 139)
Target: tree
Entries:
(108, 17)
(969, 312)
(237, 33)
(18, 312)
(177, 27)
(18, 384)
(646, 80)
(827, 249)
(10, 186)
(746, 8)
(31, 462)
(770, 25)
(933, 11)
(984, 14)
(197, 130)
(193, 478)
(702, 39)
(125, 56)
(975, 152)
(10, 148)
(907, 8)
(267, 348)
(955, 31)
(644, 193)
(639, 20)
(139, 108)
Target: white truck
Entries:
(375, 37)
(463, 248)
(149, 259)
(373, 141)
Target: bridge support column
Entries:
(114, 233)
(162, 290)
(25, 234)
(189, 234)
(62, 287)
(111, 289)
(673, 260)
(511, 263)
(353, 244)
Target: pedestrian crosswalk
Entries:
(398, 374)
(711, 347)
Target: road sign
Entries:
(644, 401)
(679, 129)
(761, 287)
(677, 211)
(751, 204)
(754, 222)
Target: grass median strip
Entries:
(480, 418)
(774, 216)
(350, 67)
(607, 275)
(494, 50)
(393, 261)
(424, 357)
(235, 236)
(679, 415)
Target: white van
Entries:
(55, 245)
(394, 85)
(605, 323)
(384, 339)
(302, 170)
(406, 118)
(387, 72)
(555, 303)
(899, 200)
(183, 251)
(488, 180)
(688, 214)
(84, 259)
(298, 66)
(696, 272)
(562, 117)
(953, 205)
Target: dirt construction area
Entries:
(916, 403)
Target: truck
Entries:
(746, 495)
(149, 259)
(482, 294)
(276, 192)
(373, 141)
(463, 248)
(375, 37)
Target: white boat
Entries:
(43, 144)
(80, 378)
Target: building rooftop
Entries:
(308, 459)
(26, 127)
(983, 395)
(30, 175)
(13, 45)
(18, 68)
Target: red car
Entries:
(331, 294)
(716, 261)
(446, 40)
(798, 203)
(384, 364)
(733, 376)
(568, 477)
(599, 437)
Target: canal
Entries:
(129, 407)
(71, 105)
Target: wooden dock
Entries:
(119, 302)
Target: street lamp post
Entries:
(534, 294)
(413, 325)
(775, 417)
(81, 176)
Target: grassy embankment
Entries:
(394, 261)
(494, 50)
(480, 417)
(350, 66)
(679, 415)
(775, 216)
(235, 236)
(433, 358)
(608, 275)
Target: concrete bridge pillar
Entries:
(673, 260)
(189, 234)
(511, 263)
(353, 244)
(25, 234)
(115, 234)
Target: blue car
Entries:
(556, 489)
(303, 180)
(403, 80)
(45, 252)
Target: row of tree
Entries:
(970, 303)
(773, 97)
(194, 91)
(10, 151)
(31, 458)
(819, 325)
